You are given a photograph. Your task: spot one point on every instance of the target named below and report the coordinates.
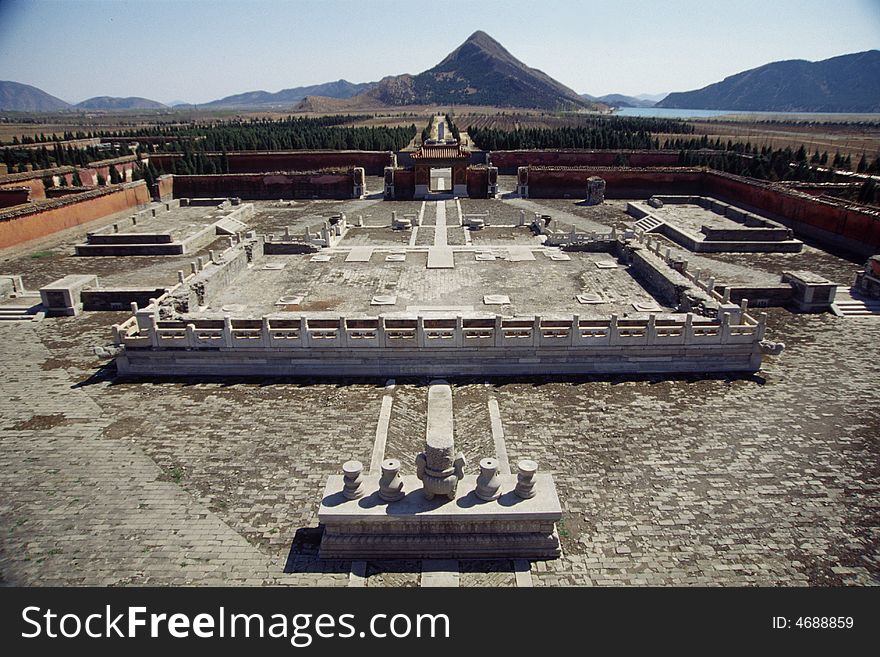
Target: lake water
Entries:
(668, 113)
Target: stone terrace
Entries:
(769, 479)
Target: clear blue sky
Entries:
(200, 50)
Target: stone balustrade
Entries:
(304, 332)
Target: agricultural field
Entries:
(847, 134)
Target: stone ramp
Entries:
(230, 226)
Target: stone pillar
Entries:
(525, 479)
(488, 482)
(154, 331)
(688, 328)
(304, 339)
(391, 483)
(438, 467)
(343, 333)
(499, 331)
(725, 328)
(652, 328)
(227, 330)
(265, 333)
(613, 331)
(420, 331)
(536, 331)
(191, 342)
(380, 331)
(352, 481)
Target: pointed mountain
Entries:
(18, 97)
(111, 103)
(848, 83)
(479, 72)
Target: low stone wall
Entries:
(119, 299)
(762, 297)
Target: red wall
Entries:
(557, 182)
(373, 162)
(508, 161)
(404, 184)
(853, 222)
(477, 182)
(266, 185)
(48, 218)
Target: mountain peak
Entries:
(482, 72)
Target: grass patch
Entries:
(41, 254)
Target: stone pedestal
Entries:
(466, 527)
(63, 297)
(812, 293)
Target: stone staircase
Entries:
(647, 224)
(23, 308)
(846, 304)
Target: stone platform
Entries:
(464, 528)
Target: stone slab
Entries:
(441, 257)
(360, 254)
(520, 254)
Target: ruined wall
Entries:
(10, 196)
(21, 225)
(508, 161)
(163, 190)
(88, 175)
(266, 186)
(373, 162)
(842, 224)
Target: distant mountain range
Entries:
(110, 103)
(482, 72)
(18, 97)
(619, 100)
(287, 97)
(849, 83)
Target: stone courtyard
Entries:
(767, 479)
